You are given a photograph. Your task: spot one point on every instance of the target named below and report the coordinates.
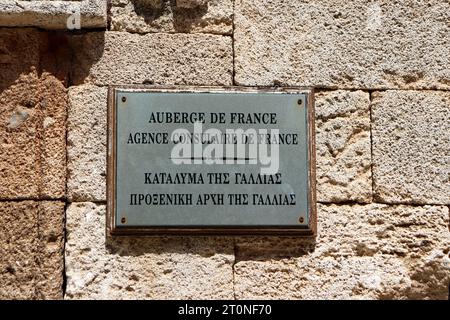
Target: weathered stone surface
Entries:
(371, 251)
(23, 50)
(123, 58)
(142, 16)
(53, 105)
(191, 3)
(345, 44)
(99, 267)
(19, 53)
(33, 131)
(411, 143)
(48, 14)
(18, 249)
(31, 249)
(343, 152)
(32, 116)
(49, 280)
(86, 139)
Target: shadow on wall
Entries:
(139, 246)
(183, 18)
(262, 248)
(34, 74)
(25, 50)
(273, 248)
(85, 53)
(56, 56)
(19, 54)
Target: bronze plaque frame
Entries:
(111, 228)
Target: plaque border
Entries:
(111, 229)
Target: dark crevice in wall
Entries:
(233, 52)
(91, 201)
(69, 84)
(371, 144)
(108, 14)
(39, 150)
(37, 256)
(144, 33)
(448, 207)
(316, 89)
(411, 204)
(65, 31)
(80, 31)
(64, 284)
(233, 266)
(329, 89)
(348, 202)
(63, 199)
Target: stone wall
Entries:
(381, 70)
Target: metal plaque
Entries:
(210, 160)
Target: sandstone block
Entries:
(33, 118)
(31, 249)
(344, 44)
(411, 143)
(86, 140)
(343, 149)
(123, 58)
(19, 53)
(373, 251)
(99, 267)
(33, 146)
(49, 14)
(53, 103)
(199, 16)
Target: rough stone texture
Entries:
(141, 16)
(411, 143)
(32, 153)
(123, 58)
(86, 139)
(48, 14)
(189, 4)
(31, 249)
(33, 121)
(345, 44)
(53, 105)
(371, 251)
(99, 267)
(19, 53)
(343, 152)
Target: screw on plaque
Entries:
(300, 102)
(301, 219)
(124, 99)
(123, 220)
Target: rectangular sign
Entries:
(211, 160)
